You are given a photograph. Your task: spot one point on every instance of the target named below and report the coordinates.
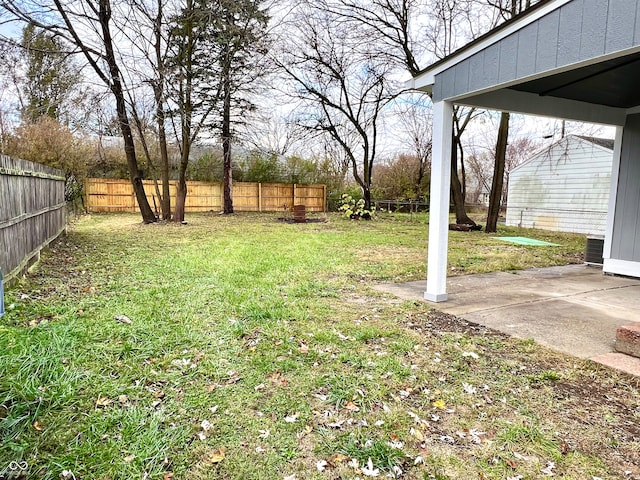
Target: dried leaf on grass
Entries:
(215, 456)
(123, 319)
(369, 470)
(102, 402)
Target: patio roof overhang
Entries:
(571, 59)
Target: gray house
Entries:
(563, 187)
(573, 59)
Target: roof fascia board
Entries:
(546, 73)
(427, 76)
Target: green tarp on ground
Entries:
(527, 241)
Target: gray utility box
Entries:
(595, 247)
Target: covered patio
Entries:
(572, 59)
(573, 309)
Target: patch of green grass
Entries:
(265, 341)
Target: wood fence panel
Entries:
(246, 197)
(275, 196)
(311, 196)
(116, 195)
(32, 211)
(202, 197)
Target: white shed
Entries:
(564, 187)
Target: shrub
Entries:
(354, 209)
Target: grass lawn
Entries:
(244, 348)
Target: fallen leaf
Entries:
(564, 447)
(548, 470)
(291, 418)
(234, 377)
(206, 425)
(321, 465)
(338, 458)
(123, 319)
(260, 449)
(167, 476)
(473, 355)
(369, 471)
(336, 424)
(129, 458)
(123, 398)
(416, 433)
(103, 402)
(468, 388)
(37, 425)
(278, 380)
(304, 349)
(511, 463)
(290, 477)
(352, 407)
(215, 457)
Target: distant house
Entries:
(564, 187)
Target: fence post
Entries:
(294, 194)
(259, 196)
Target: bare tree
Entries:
(403, 31)
(86, 27)
(342, 86)
(149, 35)
(507, 9)
(415, 118)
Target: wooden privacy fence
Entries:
(116, 195)
(32, 211)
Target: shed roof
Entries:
(603, 142)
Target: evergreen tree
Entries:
(50, 75)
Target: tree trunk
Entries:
(158, 90)
(181, 192)
(164, 166)
(498, 174)
(181, 198)
(456, 187)
(226, 147)
(186, 113)
(135, 174)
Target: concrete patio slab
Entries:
(575, 309)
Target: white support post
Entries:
(613, 193)
(439, 202)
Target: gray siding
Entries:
(564, 188)
(579, 30)
(625, 241)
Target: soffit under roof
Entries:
(612, 83)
